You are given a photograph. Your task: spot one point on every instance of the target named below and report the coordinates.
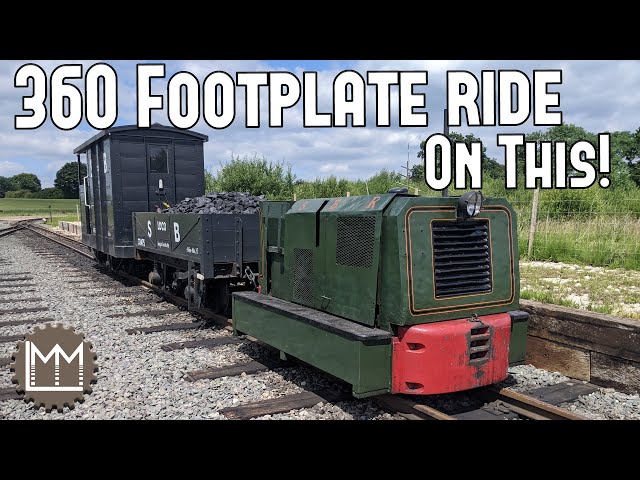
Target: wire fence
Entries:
(580, 230)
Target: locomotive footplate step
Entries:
(316, 318)
(145, 313)
(11, 338)
(282, 404)
(206, 343)
(9, 393)
(235, 370)
(563, 392)
(13, 323)
(23, 310)
(164, 328)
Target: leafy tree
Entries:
(26, 181)
(209, 180)
(384, 180)
(5, 186)
(625, 148)
(417, 171)
(625, 158)
(19, 194)
(67, 179)
(48, 193)
(490, 166)
(322, 188)
(256, 175)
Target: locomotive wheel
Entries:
(155, 278)
(188, 292)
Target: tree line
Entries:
(28, 185)
(275, 180)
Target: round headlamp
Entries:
(470, 204)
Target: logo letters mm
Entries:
(56, 352)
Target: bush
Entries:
(322, 188)
(332, 187)
(255, 175)
(19, 194)
(48, 193)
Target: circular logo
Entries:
(54, 366)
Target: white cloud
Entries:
(333, 168)
(55, 166)
(8, 169)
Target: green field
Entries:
(12, 207)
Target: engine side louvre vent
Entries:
(480, 343)
(461, 258)
(355, 241)
(303, 276)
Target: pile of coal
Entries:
(218, 202)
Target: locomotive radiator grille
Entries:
(355, 241)
(461, 258)
(303, 276)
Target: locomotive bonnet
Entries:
(392, 292)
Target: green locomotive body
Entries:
(391, 292)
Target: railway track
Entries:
(11, 229)
(59, 239)
(487, 403)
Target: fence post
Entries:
(294, 197)
(534, 218)
(78, 212)
(348, 194)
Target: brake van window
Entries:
(158, 159)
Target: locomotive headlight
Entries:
(470, 204)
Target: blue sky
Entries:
(598, 95)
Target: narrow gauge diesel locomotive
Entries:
(391, 293)
(132, 173)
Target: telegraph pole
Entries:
(407, 166)
(408, 176)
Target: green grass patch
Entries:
(600, 241)
(547, 297)
(13, 207)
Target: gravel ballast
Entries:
(137, 379)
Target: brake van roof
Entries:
(125, 128)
